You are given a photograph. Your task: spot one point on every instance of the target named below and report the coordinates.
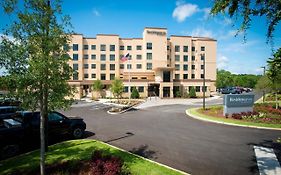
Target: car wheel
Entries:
(9, 151)
(77, 133)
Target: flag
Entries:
(125, 57)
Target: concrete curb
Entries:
(160, 164)
(225, 123)
(113, 113)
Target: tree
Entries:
(97, 87)
(263, 85)
(248, 9)
(274, 73)
(117, 88)
(224, 79)
(37, 66)
(135, 93)
(192, 93)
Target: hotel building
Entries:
(158, 65)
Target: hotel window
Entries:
(112, 76)
(75, 76)
(121, 47)
(126, 89)
(112, 47)
(102, 47)
(192, 76)
(103, 67)
(86, 75)
(121, 66)
(202, 66)
(66, 47)
(129, 47)
(202, 48)
(177, 66)
(138, 57)
(148, 66)
(139, 47)
(185, 48)
(185, 67)
(202, 57)
(185, 58)
(102, 76)
(85, 47)
(138, 66)
(75, 47)
(144, 78)
(93, 47)
(177, 48)
(202, 75)
(112, 66)
(149, 46)
(177, 58)
(141, 89)
(193, 67)
(197, 88)
(168, 47)
(134, 78)
(93, 75)
(204, 89)
(75, 57)
(193, 48)
(168, 57)
(86, 56)
(93, 56)
(177, 76)
(93, 66)
(112, 57)
(149, 56)
(102, 57)
(86, 66)
(75, 67)
(192, 57)
(129, 66)
(185, 76)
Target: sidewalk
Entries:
(156, 101)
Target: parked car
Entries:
(8, 111)
(25, 125)
(225, 90)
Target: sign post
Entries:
(234, 103)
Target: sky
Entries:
(181, 17)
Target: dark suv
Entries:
(8, 111)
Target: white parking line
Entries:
(267, 161)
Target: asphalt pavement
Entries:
(165, 134)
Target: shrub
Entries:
(185, 94)
(236, 116)
(192, 93)
(105, 164)
(135, 93)
(178, 94)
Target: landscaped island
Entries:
(83, 157)
(264, 115)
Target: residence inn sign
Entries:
(238, 103)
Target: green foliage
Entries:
(117, 87)
(226, 78)
(263, 84)
(97, 85)
(248, 9)
(178, 94)
(192, 93)
(135, 93)
(185, 94)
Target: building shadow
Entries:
(127, 134)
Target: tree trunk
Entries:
(42, 138)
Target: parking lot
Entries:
(165, 134)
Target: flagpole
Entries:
(129, 71)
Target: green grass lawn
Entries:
(196, 112)
(76, 150)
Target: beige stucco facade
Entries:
(158, 65)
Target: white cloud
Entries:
(240, 47)
(184, 10)
(202, 32)
(206, 13)
(227, 35)
(96, 12)
(222, 62)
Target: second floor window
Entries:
(129, 66)
(148, 66)
(138, 66)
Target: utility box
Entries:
(237, 103)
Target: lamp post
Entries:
(263, 92)
(204, 80)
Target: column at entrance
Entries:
(161, 91)
(171, 92)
